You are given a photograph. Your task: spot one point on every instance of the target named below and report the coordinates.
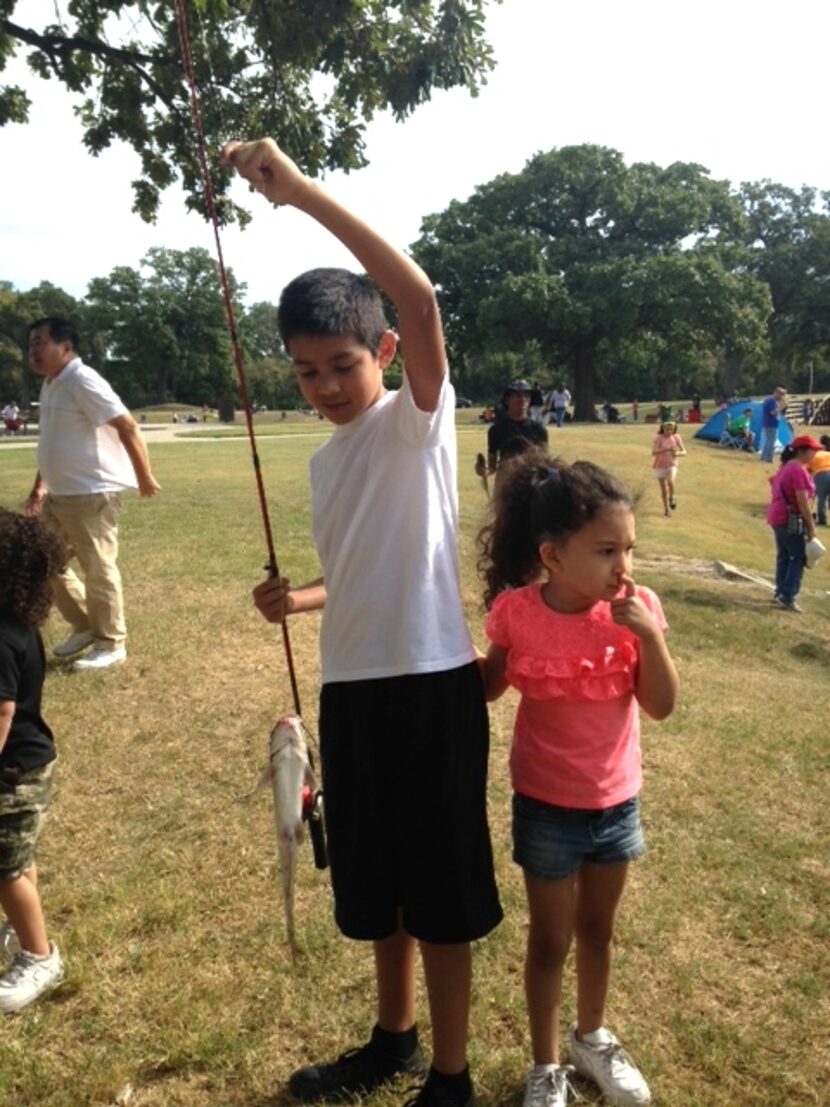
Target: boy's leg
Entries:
(552, 906)
(599, 890)
(21, 903)
(392, 1050)
(448, 973)
(395, 973)
(22, 812)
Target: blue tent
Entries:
(712, 430)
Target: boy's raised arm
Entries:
(271, 172)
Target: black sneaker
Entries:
(437, 1093)
(355, 1072)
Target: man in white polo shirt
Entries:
(90, 450)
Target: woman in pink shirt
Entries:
(584, 645)
(666, 448)
(791, 518)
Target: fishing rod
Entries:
(312, 801)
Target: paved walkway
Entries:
(175, 432)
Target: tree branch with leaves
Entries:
(310, 73)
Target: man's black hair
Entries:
(329, 302)
(60, 330)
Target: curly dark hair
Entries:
(539, 499)
(31, 555)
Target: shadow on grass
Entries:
(587, 1093)
(738, 601)
(812, 651)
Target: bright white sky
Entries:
(738, 86)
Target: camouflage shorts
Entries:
(22, 810)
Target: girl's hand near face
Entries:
(656, 686)
(630, 611)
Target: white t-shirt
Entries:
(560, 399)
(77, 452)
(385, 517)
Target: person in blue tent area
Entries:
(740, 426)
(772, 410)
(790, 516)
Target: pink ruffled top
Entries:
(576, 741)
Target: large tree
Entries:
(311, 73)
(18, 310)
(788, 236)
(581, 254)
(160, 334)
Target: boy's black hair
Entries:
(329, 302)
(60, 330)
(539, 499)
(31, 555)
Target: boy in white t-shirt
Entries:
(403, 723)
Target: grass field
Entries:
(159, 879)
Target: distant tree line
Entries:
(635, 280)
(158, 333)
(623, 281)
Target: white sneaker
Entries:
(548, 1089)
(77, 640)
(9, 942)
(100, 659)
(29, 977)
(610, 1067)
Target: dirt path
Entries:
(169, 432)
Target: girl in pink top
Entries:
(584, 645)
(666, 448)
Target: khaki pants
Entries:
(90, 526)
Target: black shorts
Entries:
(404, 764)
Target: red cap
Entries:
(805, 442)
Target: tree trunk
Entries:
(583, 376)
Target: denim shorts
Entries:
(551, 842)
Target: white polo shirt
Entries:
(77, 452)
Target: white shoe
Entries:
(610, 1067)
(100, 659)
(9, 942)
(28, 978)
(77, 640)
(548, 1089)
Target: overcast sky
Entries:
(738, 86)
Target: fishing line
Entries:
(184, 39)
